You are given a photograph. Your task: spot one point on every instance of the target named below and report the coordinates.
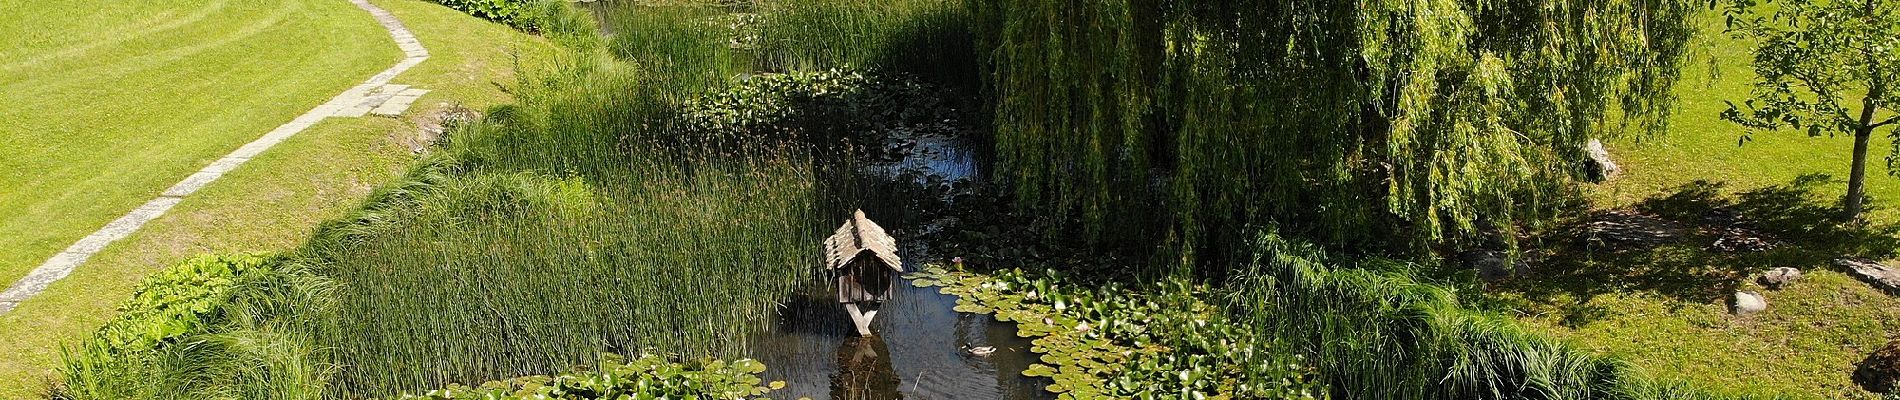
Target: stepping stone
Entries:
(1882, 277)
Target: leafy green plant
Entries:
(648, 376)
(1112, 341)
(191, 332)
(504, 11)
(176, 301)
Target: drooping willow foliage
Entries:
(1377, 125)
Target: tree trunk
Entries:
(1856, 180)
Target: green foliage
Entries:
(647, 377)
(1380, 332)
(566, 24)
(1815, 58)
(1365, 125)
(579, 218)
(1110, 341)
(929, 40)
(511, 12)
(193, 332)
(825, 108)
(182, 299)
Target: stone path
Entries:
(375, 96)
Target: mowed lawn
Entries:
(107, 103)
(1808, 341)
(314, 50)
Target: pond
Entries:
(920, 351)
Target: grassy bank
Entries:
(1664, 308)
(276, 200)
(112, 102)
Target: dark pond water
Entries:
(918, 353)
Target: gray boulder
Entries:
(1880, 276)
(1748, 303)
(1779, 277)
(1601, 168)
(1493, 265)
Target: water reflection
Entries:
(864, 371)
(918, 352)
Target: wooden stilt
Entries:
(861, 316)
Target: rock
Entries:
(436, 125)
(1601, 168)
(1880, 276)
(1737, 240)
(1748, 303)
(1880, 372)
(1779, 277)
(1492, 264)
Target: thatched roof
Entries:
(857, 237)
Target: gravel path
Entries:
(374, 96)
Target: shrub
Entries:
(564, 23)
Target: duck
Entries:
(980, 351)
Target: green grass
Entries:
(1664, 310)
(273, 202)
(1805, 345)
(114, 106)
(1702, 146)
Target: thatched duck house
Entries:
(862, 259)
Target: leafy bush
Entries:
(511, 12)
(647, 377)
(1109, 341)
(568, 25)
(177, 301)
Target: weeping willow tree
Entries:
(1374, 125)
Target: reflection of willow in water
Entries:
(864, 371)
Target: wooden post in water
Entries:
(862, 259)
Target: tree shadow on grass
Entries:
(1693, 244)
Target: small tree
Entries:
(1814, 58)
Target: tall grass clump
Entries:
(1377, 331)
(1384, 127)
(931, 40)
(585, 219)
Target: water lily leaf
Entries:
(1039, 370)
